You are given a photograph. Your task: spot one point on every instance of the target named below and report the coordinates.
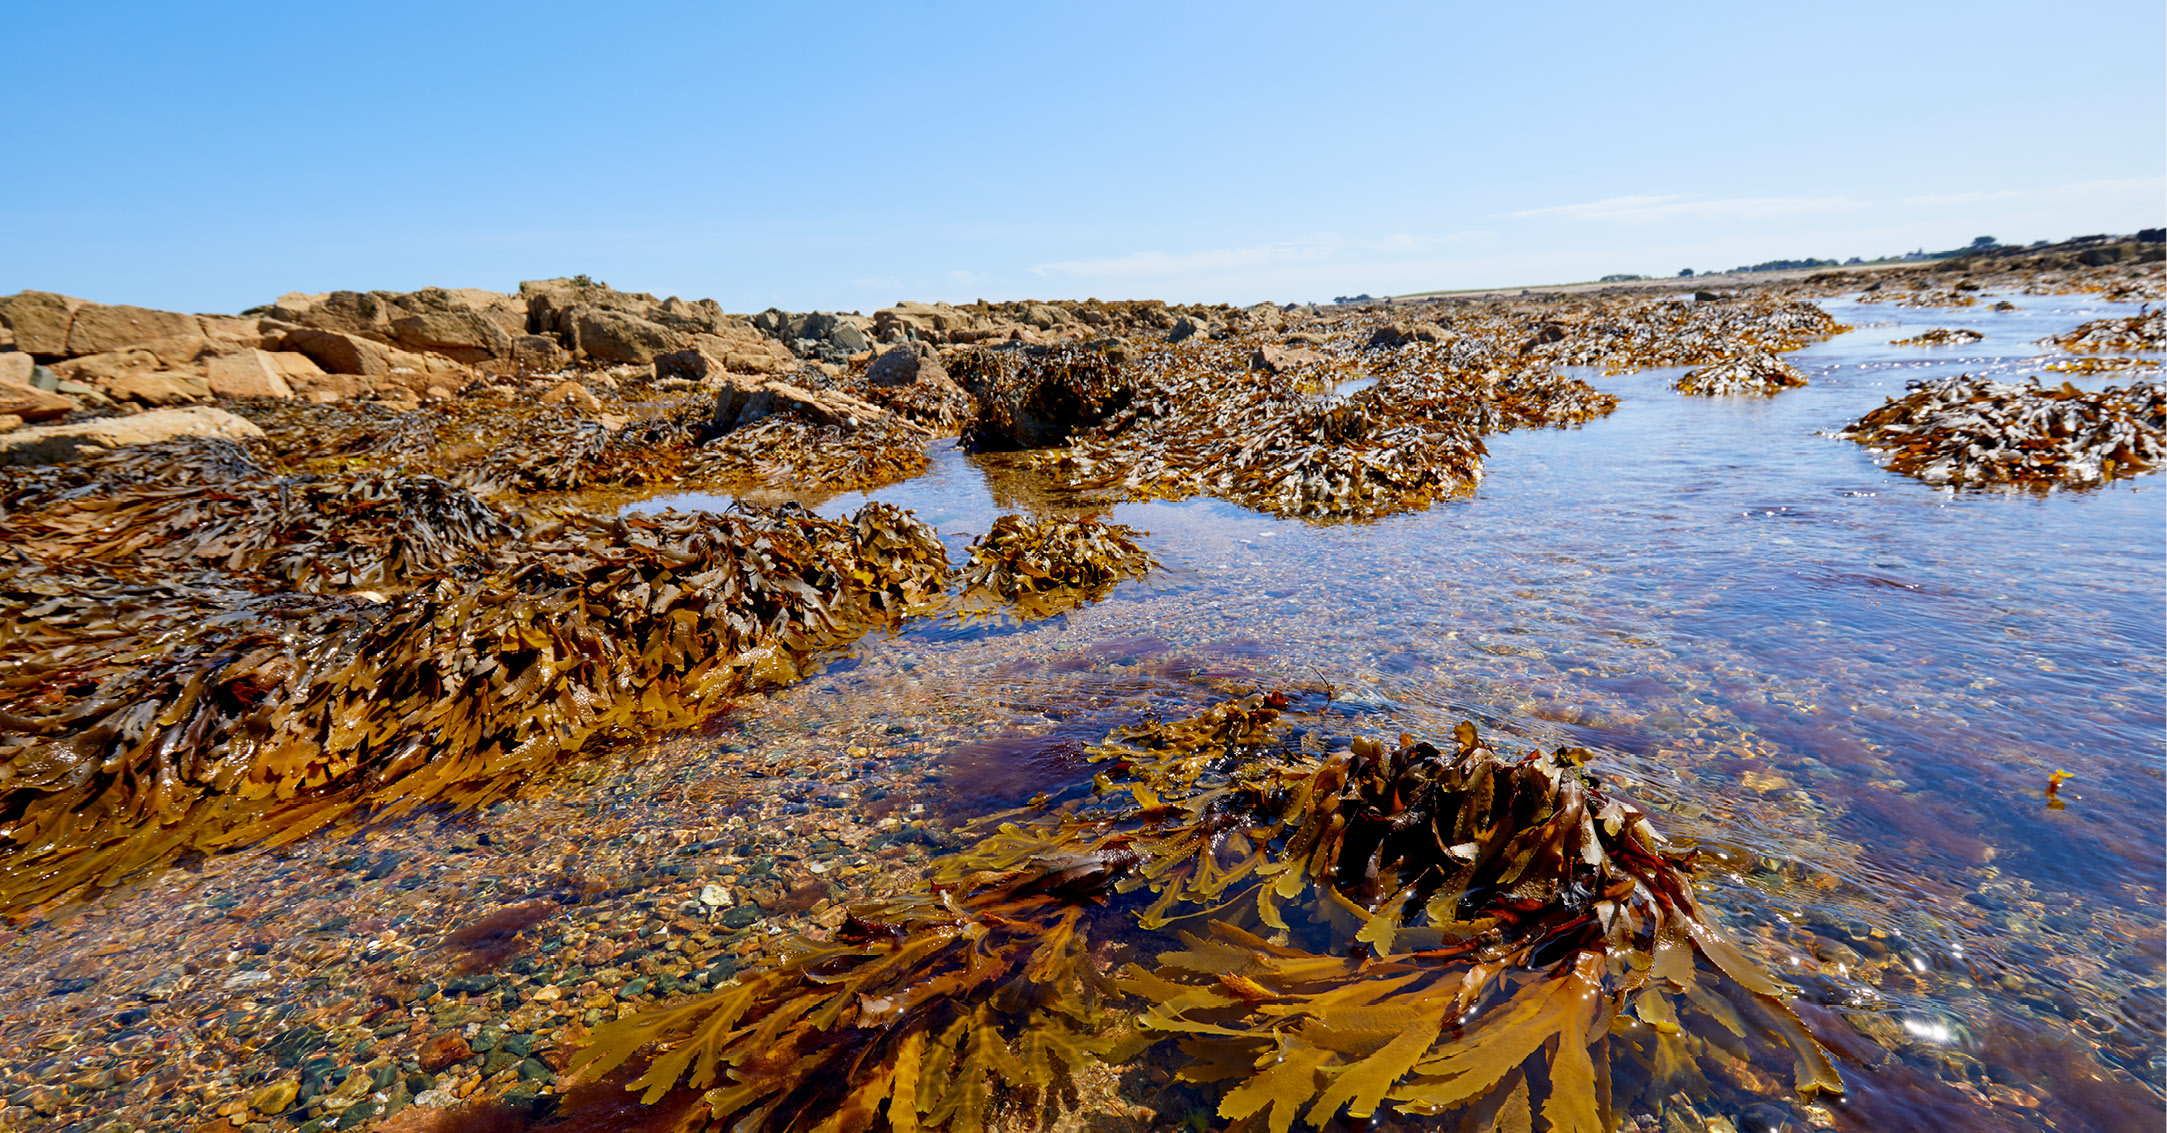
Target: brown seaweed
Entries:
(1964, 431)
(1428, 929)
(1047, 565)
(148, 720)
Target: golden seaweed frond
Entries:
(1430, 929)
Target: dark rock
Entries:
(1400, 334)
(1037, 397)
(905, 364)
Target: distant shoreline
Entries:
(1665, 283)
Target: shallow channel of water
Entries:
(1852, 683)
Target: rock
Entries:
(746, 351)
(538, 353)
(444, 1050)
(366, 313)
(32, 404)
(907, 363)
(99, 329)
(309, 380)
(1278, 359)
(1043, 317)
(58, 444)
(39, 320)
(689, 365)
(339, 352)
(463, 336)
(158, 388)
(1189, 326)
(613, 336)
(10, 422)
(1393, 335)
(15, 368)
(573, 394)
(246, 373)
(102, 369)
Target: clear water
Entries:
(1852, 684)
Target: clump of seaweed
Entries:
(1964, 431)
(144, 720)
(1047, 565)
(1430, 929)
(1758, 372)
(1941, 336)
(2146, 330)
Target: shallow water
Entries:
(1857, 683)
(1849, 685)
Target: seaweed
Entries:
(145, 720)
(1046, 566)
(1430, 929)
(1963, 431)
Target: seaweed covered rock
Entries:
(1430, 929)
(1038, 397)
(1044, 565)
(146, 719)
(2144, 331)
(1964, 431)
(1759, 372)
(1941, 336)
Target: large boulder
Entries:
(1188, 327)
(604, 335)
(466, 336)
(364, 313)
(247, 373)
(99, 329)
(58, 444)
(39, 320)
(339, 352)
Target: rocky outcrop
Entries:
(59, 444)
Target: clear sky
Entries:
(210, 156)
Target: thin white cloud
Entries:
(1649, 210)
(1938, 200)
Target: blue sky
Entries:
(211, 156)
